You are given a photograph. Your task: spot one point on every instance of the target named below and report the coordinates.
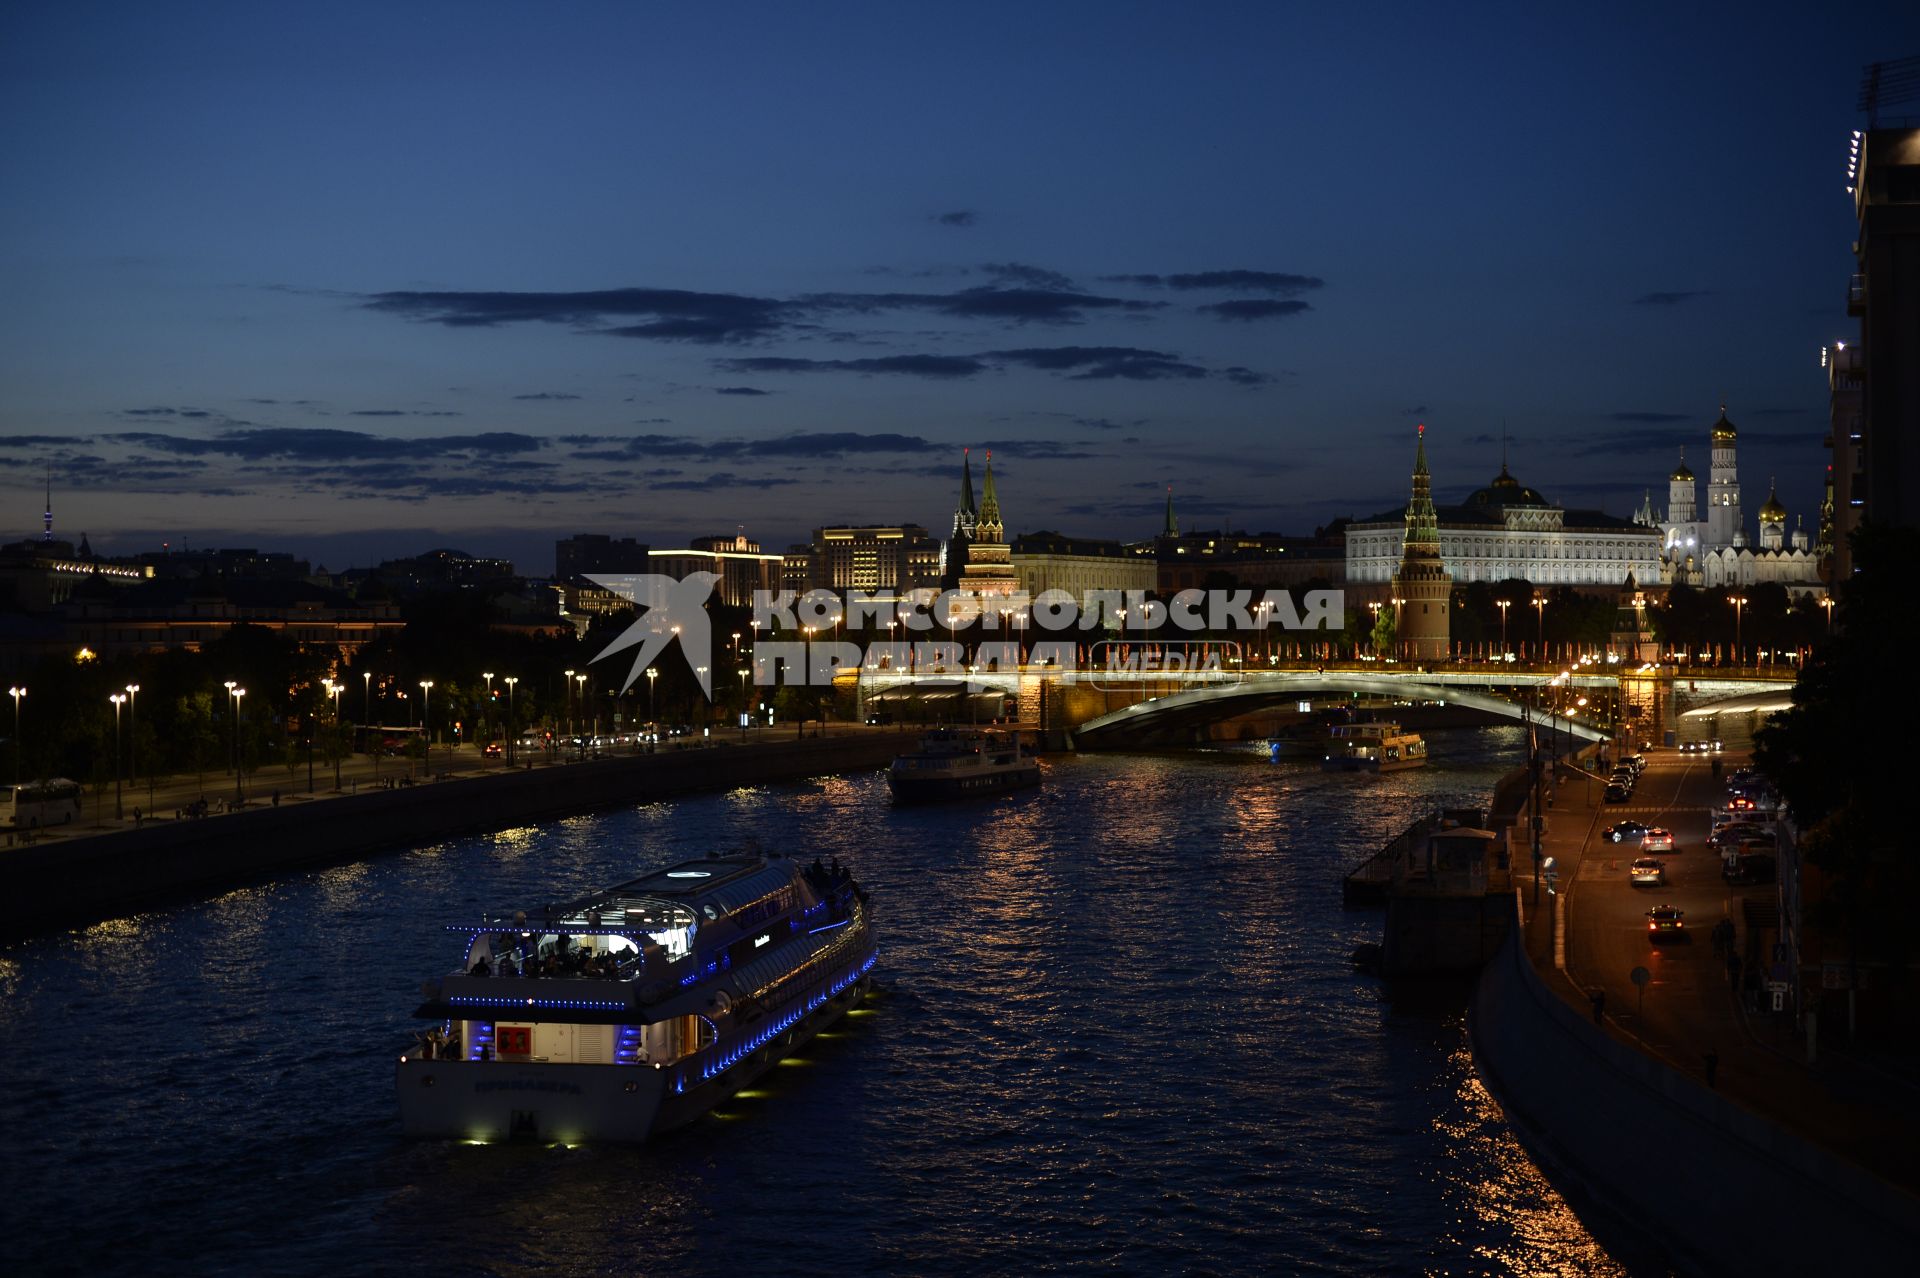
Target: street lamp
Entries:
(426, 722)
(581, 680)
(133, 742)
(239, 795)
(742, 672)
(119, 699)
(652, 674)
(16, 693)
(366, 696)
(333, 690)
(1738, 602)
(488, 708)
(510, 680)
(1539, 627)
(566, 690)
(1503, 605)
(1827, 603)
(230, 686)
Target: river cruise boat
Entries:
(953, 763)
(1373, 747)
(636, 1009)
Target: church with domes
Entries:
(1715, 551)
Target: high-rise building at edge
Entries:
(1878, 467)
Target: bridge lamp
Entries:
(1503, 605)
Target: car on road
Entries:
(1734, 832)
(1657, 840)
(1618, 794)
(1753, 867)
(1664, 923)
(1620, 831)
(1647, 872)
(491, 750)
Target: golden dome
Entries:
(1773, 512)
(1681, 475)
(1723, 431)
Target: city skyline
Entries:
(358, 285)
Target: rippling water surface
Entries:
(1115, 1030)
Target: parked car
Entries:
(1618, 794)
(1753, 867)
(1647, 872)
(1664, 923)
(1621, 831)
(1657, 840)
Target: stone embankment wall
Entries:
(69, 881)
(1722, 1189)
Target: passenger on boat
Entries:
(507, 968)
(481, 967)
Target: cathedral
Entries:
(1715, 551)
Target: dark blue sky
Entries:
(360, 279)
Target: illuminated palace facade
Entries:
(1505, 531)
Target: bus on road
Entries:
(39, 803)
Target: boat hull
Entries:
(909, 788)
(1369, 765)
(573, 1104)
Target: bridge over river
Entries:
(1123, 708)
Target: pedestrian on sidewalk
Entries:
(1712, 1059)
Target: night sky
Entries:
(359, 280)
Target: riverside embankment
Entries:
(1714, 1184)
(81, 880)
(1723, 1189)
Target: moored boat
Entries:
(1373, 747)
(953, 763)
(636, 1009)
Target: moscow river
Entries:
(1115, 1030)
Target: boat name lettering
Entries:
(526, 1085)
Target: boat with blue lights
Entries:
(955, 763)
(635, 1009)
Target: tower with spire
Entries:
(1422, 587)
(954, 555)
(1172, 530)
(964, 515)
(988, 582)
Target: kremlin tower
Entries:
(1422, 588)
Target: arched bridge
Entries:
(1191, 707)
(1117, 708)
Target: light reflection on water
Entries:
(1115, 1029)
